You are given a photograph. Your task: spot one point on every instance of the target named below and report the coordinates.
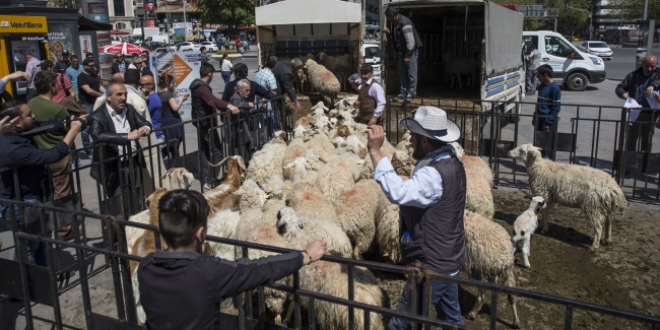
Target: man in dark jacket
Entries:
(284, 72)
(182, 289)
(431, 203)
(120, 127)
(242, 138)
(204, 104)
(639, 85)
(406, 43)
(120, 65)
(241, 72)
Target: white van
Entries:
(574, 68)
(371, 55)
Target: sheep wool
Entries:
(323, 81)
(356, 211)
(479, 197)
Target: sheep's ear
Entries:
(187, 180)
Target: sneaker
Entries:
(410, 97)
(401, 96)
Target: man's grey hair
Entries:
(354, 79)
(296, 62)
(243, 83)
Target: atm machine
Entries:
(20, 34)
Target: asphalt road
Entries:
(623, 61)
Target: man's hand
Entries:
(76, 126)
(234, 110)
(134, 135)
(372, 121)
(251, 105)
(406, 60)
(626, 95)
(315, 250)
(545, 128)
(648, 91)
(7, 125)
(144, 131)
(18, 75)
(376, 137)
(298, 107)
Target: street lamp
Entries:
(590, 16)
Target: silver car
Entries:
(597, 48)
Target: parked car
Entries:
(597, 48)
(187, 47)
(210, 46)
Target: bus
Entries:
(628, 35)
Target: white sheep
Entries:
(490, 258)
(319, 147)
(595, 192)
(478, 197)
(474, 163)
(357, 208)
(323, 81)
(223, 224)
(403, 164)
(301, 169)
(339, 173)
(339, 65)
(387, 230)
(266, 162)
(525, 225)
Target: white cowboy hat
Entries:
(433, 123)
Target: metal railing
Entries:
(597, 136)
(114, 250)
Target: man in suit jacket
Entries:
(119, 126)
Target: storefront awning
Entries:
(308, 12)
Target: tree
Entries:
(229, 12)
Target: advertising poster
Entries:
(85, 45)
(180, 31)
(184, 66)
(105, 60)
(60, 38)
(98, 12)
(164, 6)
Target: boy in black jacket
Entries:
(181, 289)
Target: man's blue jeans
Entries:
(444, 298)
(408, 74)
(36, 251)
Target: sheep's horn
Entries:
(220, 163)
(241, 162)
(168, 173)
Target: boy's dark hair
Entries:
(271, 62)
(74, 57)
(205, 70)
(391, 11)
(545, 69)
(240, 70)
(11, 109)
(132, 77)
(201, 49)
(87, 61)
(181, 213)
(43, 80)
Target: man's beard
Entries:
(418, 153)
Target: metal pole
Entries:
(621, 25)
(185, 22)
(646, 8)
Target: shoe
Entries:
(401, 96)
(410, 97)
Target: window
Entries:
(120, 25)
(528, 41)
(597, 45)
(118, 5)
(557, 47)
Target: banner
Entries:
(165, 6)
(60, 38)
(180, 31)
(85, 45)
(184, 66)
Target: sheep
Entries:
(387, 230)
(339, 65)
(223, 224)
(525, 225)
(593, 191)
(339, 173)
(178, 178)
(356, 211)
(339, 142)
(307, 122)
(405, 145)
(403, 164)
(319, 147)
(490, 258)
(266, 162)
(319, 217)
(474, 163)
(323, 81)
(222, 197)
(301, 169)
(297, 147)
(329, 278)
(478, 197)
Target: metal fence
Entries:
(598, 136)
(38, 284)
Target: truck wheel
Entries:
(577, 82)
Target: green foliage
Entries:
(229, 12)
(633, 9)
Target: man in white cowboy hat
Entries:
(432, 203)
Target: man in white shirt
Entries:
(432, 204)
(226, 68)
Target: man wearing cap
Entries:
(432, 203)
(62, 65)
(371, 98)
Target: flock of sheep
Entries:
(319, 185)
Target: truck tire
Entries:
(577, 82)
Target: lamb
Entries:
(479, 197)
(297, 147)
(330, 278)
(474, 163)
(356, 211)
(525, 225)
(323, 81)
(490, 258)
(595, 192)
(178, 178)
(266, 162)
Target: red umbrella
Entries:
(119, 32)
(121, 48)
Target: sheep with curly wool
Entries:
(356, 211)
(478, 196)
(266, 162)
(319, 147)
(595, 192)
(474, 163)
(339, 173)
(297, 147)
(323, 81)
(387, 230)
(339, 65)
(330, 278)
(319, 217)
(525, 225)
(490, 258)
(403, 164)
(301, 169)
